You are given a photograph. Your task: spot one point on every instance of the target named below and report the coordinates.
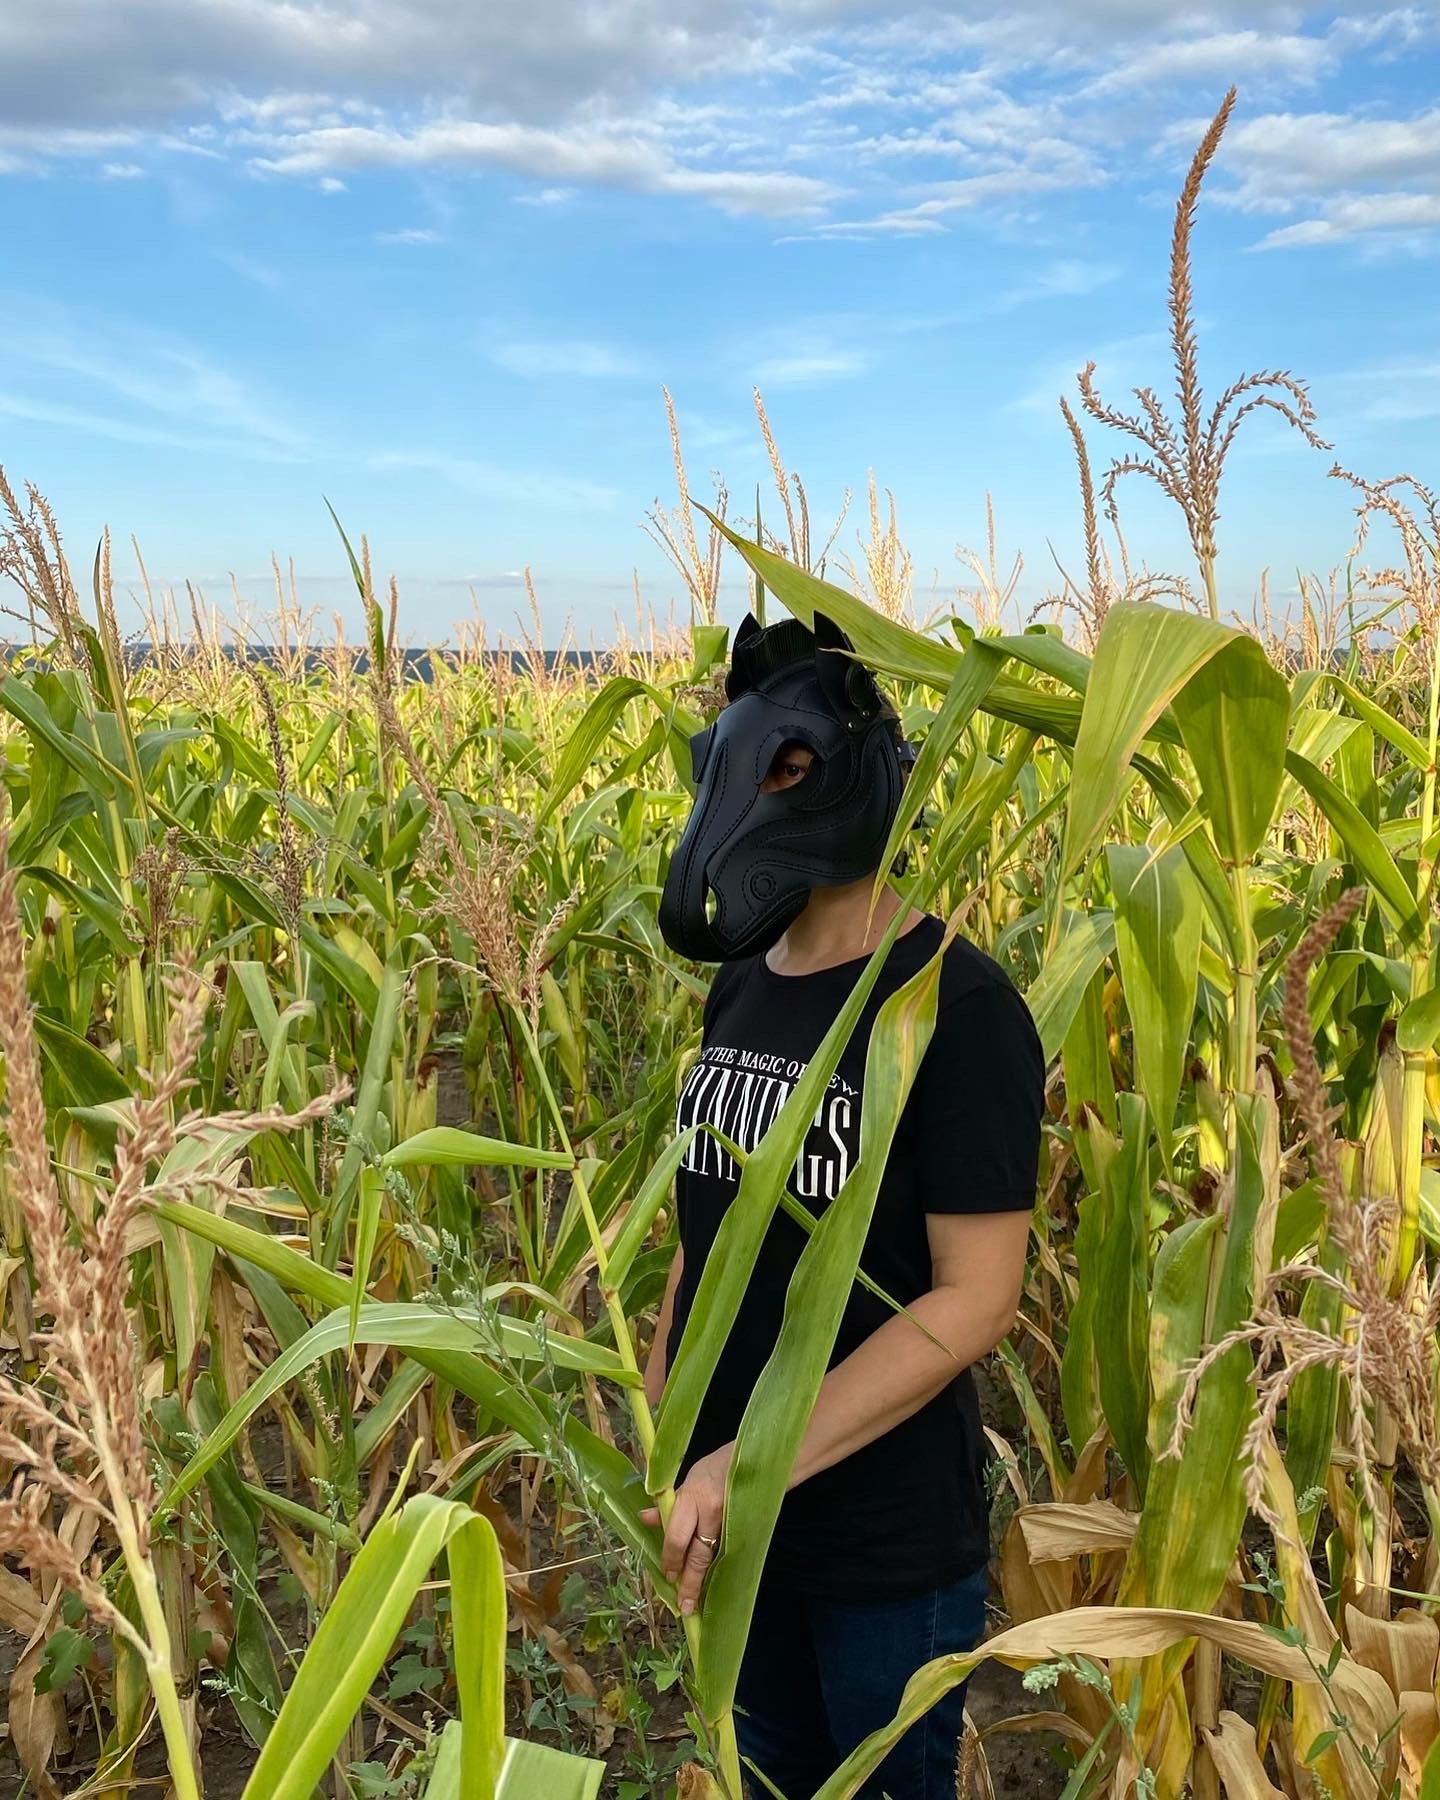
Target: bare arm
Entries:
(656, 1369)
(978, 1263)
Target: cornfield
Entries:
(341, 1053)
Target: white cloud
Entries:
(909, 112)
(1285, 157)
(1355, 175)
(567, 357)
(261, 273)
(493, 481)
(605, 157)
(1359, 215)
(152, 388)
(121, 171)
(1395, 390)
(44, 140)
(83, 421)
(1120, 366)
(1219, 56)
(809, 368)
(1006, 186)
(410, 234)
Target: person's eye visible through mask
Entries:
(793, 762)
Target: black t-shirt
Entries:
(907, 1512)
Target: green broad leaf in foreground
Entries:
(589, 737)
(477, 1761)
(972, 681)
(1418, 1027)
(1144, 657)
(1120, 1271)
(1430, 1773)
(742, 1230)
(784, 1398)
(883, 643)
(529, 1771)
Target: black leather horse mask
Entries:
(747, 860)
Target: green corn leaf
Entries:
(356, 1634)
(1430, 1773)
(1205, 865)
(1158, 923)
(1037, 1420)
(614, 1487)
(1234, 712)
(22, 700)
(779, 1409)
(422, 1331)
(737, 1244)
(1089, 1076)
(1382, 723)
(1122, 1301)
(1055, 994)
(478, 1612)
(1145, 656)
(1418, 1026)
(650, 1196)
(529, 1771)
(447, 1145)
(383, 1028)
(318, 746)
(883, 643)
(1362, 842)
(85, 1076)
(367, 1228)
(1079, 1389)
(1195, 1503)
(972, 680)
(588, 739)
(374, 618)
(104, 913)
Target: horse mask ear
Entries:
(847, 685)
(738, 677)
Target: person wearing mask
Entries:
(879, 1560)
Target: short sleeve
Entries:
(719, 982)
(977, 1103)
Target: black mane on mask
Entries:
(763, 650)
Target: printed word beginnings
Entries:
(736, 1095)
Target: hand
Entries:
(692, 1537)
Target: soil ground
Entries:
(1020, 1765)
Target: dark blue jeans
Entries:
(819, 1676)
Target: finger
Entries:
(678, 1535)
(692, 1577)
(650, 1515)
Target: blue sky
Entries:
(435, 260)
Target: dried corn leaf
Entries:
(1059, 1530)
(1419, 1728)
(1237, 1761)
(1402, 1649)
